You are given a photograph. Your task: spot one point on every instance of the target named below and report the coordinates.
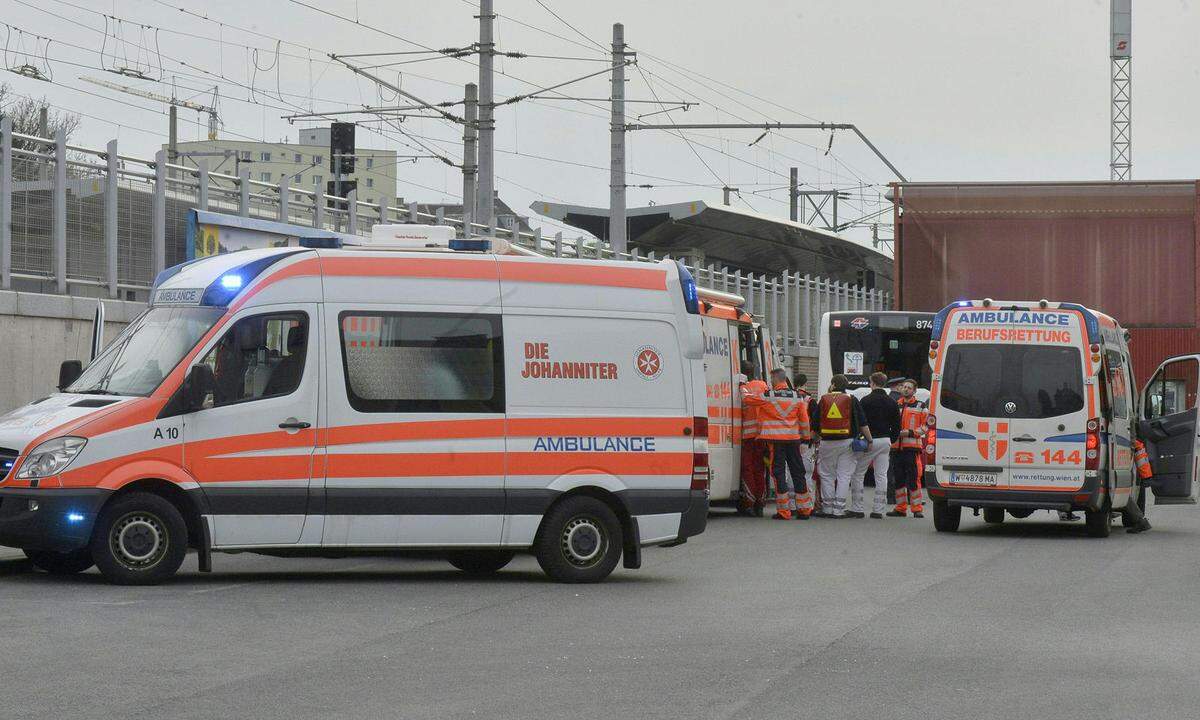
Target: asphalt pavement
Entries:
(753, 619)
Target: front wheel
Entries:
(993, 515)
(945, 517)
(61, 563)
(480, 562)
(140, 539)
(580, 541)
(1099, 522)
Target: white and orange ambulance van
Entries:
(326, 400)
(1033, 408)
(731, 336)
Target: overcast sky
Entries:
(1014, 90)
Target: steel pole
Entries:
(6, 187)
(60, 210)
(617, 227)
(111, 228)
(470, 167)
(793, 197)
(485, 209)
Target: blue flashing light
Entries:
(963, 303)
(691, 297)
(74, 517)
(472, 245)
(231, 282)
(227, 286)
(1090, 321)
(321, 243)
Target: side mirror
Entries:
(191, 394)
(68, 373)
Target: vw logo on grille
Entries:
(1010, 407)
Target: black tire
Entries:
(993, 515)
(139, 539)
(1020, 514)
(61, 563)
(946, 518)
(480, 562)
(1099, 522)
(579, 541)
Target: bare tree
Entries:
(26, 114)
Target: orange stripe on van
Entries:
(453, 268)
(624, 277)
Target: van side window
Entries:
(259, 357)
(1173, 389)
(1117, 385)
(422, 362)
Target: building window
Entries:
(264, 157)
(370, 182)
(318, 159)
(422, 362)
(265, 177)
(298, 160)
(318, 180)
(370, 163)
(245, 154)
(299, 179)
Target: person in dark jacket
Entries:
(883, 417)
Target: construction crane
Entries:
(213, 120)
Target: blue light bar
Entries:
(231, 282)
(472, 245)
(691, 298)
(74, 517)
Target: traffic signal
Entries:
(348, 186)
(341, 147)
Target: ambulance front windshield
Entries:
(150, 347)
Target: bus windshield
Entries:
(894, 344)
(149, 348)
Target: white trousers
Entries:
(837, 462)
(876, 456)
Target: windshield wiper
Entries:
(96, 391)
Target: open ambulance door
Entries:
(1168, 425)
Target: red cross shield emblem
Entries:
(993, 445)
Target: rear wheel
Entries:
(993, 515)
(1099, 522)
(945, 517)
(140, 539)
(580, 541)
(480, 562)
(61, 563)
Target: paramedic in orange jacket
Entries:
(782, 424)
(753, 471)
(913, 416)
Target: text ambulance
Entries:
(1032, 407)
(730, 337)
(298, 401)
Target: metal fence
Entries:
(91, 221)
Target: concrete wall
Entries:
(38, 332)
(805, 361)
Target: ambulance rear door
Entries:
(724, 402)
(1048, 394)
(1169, 426)
(972, 425)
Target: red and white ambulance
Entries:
(731, 336)
(327, 400)
(1033, 408)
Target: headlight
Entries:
(51, 457)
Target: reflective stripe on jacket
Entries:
(782, 415)
(913, 416)
(751, 388)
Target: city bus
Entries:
(856, 343)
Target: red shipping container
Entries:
(1128, 249)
